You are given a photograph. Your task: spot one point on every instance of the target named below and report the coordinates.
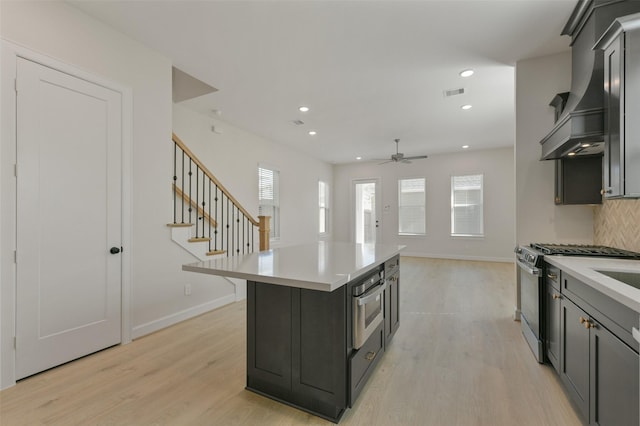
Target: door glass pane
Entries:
(365, 220)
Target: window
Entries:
(411, 206)
(269, 197)
(466, 205)
(323, 203)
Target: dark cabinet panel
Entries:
(614, 380)
(392, 299)
(552, 328)
(268, 337)
(319, 366)
(392, 307)
(599, 368)
(622, 109)
(363, 362)
(579, 180)
(574, 365)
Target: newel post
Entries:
(264, 229)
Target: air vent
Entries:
(453, 92)
(297, 122)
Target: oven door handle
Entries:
(371, 294)
(527, 268)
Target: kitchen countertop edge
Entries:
(585, 269)
(328, 285)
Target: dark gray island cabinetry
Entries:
(318, 320)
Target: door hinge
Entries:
(15, 84)
(15, 342)
(15, 256)
(15, 170)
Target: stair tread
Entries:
(200, 239)
(179, 225)
(214, 252)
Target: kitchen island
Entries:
(319, 317)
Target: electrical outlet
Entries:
(187, 289)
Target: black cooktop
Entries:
(584, 250)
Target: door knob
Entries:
(114, 250)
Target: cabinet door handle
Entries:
(370, 356)
(558, 296)
(589, 324)
(583, 320)
(552, 276)
(606, 191)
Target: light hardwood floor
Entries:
(457, 359)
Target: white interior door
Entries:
(69, 146)
(366, 217)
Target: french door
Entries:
(366, 211)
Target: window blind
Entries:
(268, 198)
(411, 206)
(467, 205)
(323, 204)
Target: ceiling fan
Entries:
(399, 157)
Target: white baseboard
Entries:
(169, 320)
(510, 259)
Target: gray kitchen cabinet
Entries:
(553, 311)
(614, 373)
(574, 364)
(297, 346)
(300, 347)
(578, 180)
(621, 45)
(599, 362)
(392, 299)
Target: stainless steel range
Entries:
(530, 261)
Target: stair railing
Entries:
(219, 218)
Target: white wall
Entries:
(62, 32)
(233, 156)
(497, 167)
(538, 219)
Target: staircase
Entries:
(207, 220)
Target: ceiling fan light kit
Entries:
(399, 157)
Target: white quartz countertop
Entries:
(323, 266)
(586, 269)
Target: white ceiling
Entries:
(371, 71)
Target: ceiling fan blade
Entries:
(385, 162)
(406, 161)
(416, 157)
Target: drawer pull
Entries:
(557, 296)
(370, 356)
(552, 276)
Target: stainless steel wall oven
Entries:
(368, 307)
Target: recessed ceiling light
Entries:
(585, 145)
(465, 146)
(313, 133)
(571, 154)
(303, 109)
(358, 158)
(465, 107)
(466, 73)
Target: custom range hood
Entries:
(579, 127)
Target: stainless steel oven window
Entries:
(367, 313)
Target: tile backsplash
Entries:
(617, 224)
